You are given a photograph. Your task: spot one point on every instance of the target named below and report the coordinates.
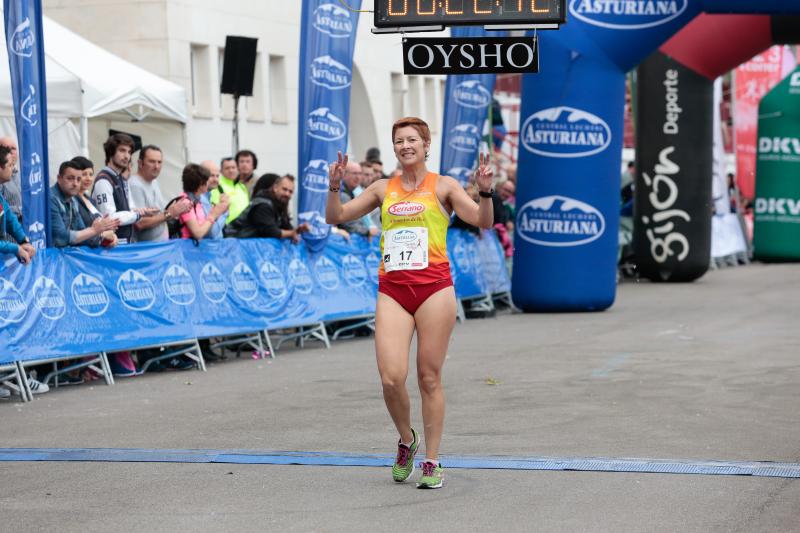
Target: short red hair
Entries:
(417, 123)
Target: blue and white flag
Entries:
(23, 24)
(466, 108)
(327, 40)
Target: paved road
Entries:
(702, 371)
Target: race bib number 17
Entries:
(405, 249)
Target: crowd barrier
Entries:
(76, 301)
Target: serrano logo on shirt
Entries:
(406, 209)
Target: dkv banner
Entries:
(466, 109)
(327, 41)
(23, 25)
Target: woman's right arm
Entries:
(335, 211)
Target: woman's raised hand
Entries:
(484, 174)
(336, 171)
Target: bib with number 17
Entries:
(405, 249)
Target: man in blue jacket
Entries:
(18, 244)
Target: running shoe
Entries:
(403, 466)
(432, 475)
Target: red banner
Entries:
(754, 79)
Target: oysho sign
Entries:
(565, 132)
(484, 55)
(627, 14)
(559, 221)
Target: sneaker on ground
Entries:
(403, 465)
(179, 363)
(120, 370)
(63, 380)
(37, 387)
(432, 475)
(4, 393)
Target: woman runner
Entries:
(415, 290)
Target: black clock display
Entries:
(396, 13)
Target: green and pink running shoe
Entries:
(432, 475)
(403, 465)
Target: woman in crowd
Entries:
(415, 291)
(195, 223)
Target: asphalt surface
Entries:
(701, 371)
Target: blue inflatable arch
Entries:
(571, 144)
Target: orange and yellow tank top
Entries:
(414, 238)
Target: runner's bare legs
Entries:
(394, 328)
(435, 320)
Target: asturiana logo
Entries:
(89, 295)
(12, 306)
(333, 20)
(354, 271)
(325, 126)
(559, 221)
(329, 73)
(213, 283)
(136, 290)
(179, 285)
(49, 299)
(36, 235)
(565, 132)
(315, 176)
(318, 228)
(272, 279)
(22, 40)
(472, 94)
(404, 236)
(462, 258)
(244, 281)
(406, 209)
(29, 110)
(327, 273)
(464, 138)
(627, 14)
(300, 277)
(36, 175)
(460, 174)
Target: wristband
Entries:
(486, 194)
(333, 190)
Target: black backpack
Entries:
(241, 228)
(174, 225)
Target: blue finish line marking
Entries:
(580, 464)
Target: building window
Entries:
(431, 113)
(398, 96)
(414, 106)
(225, 100)
(278, 98)
(201, 79)
(255, 104)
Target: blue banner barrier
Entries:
(76, 301)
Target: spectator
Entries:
(268, 214)
(351, 187)
(195, 223)
(111, 194)
(506, 191)
(369, 174)
(511, 173)
(208, 203)
(67, 226)
(629, 175)
(238, 194)
(246, 164)
(145, 192)
(12, 237)
(12, 189)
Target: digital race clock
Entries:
(405, 13)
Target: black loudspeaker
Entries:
(239, 66)
(786, 29)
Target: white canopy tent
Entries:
(90, 91)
